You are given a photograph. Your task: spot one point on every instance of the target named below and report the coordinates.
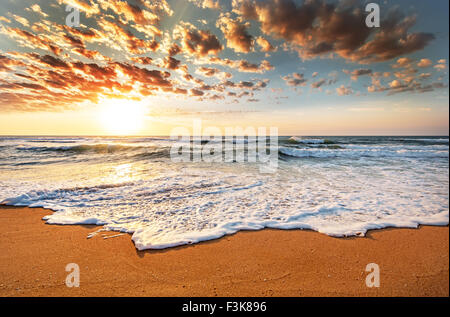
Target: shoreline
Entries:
(268, 262)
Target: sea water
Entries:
(340, 186)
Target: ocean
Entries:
(339, 186)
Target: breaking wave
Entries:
(340, 186)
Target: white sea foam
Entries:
(362, 152)
(434, 140)
(357, 187)
(306, 141)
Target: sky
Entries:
(143, 67)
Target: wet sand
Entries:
(34, 255)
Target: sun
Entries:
(122, 116)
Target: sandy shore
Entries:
(33, 257)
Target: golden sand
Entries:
(34, 255)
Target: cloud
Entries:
(198, 42)
(424, 62)
(21, 20)
(5, 19)
(393, 40)
(60, 80)
(8, 64)
(123, 50)
(243, 85)
(171, 63)
(87, 35)
(406, 84)
(213, 72)
(96, 71)
(196, 92)
(243, 65)
(441, 65)
(295, 80)
(142, 60)
(86, 6)
(343, 91)
(126, 38)
(236, 34)
(403, 62)
(36, 8)
(407, 74)
(425, 75)
(357, 73)
(175, 49)
(318, 84)
(49, 60)
(316, 28)
(395, 83)
(207, 4)
(130, 12)
(30, 40)
(265, 44)
(147, 77)
(138, 17)
(55, 84)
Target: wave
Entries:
(36, 198)
(155, 154)
(30, 163)
(83, 148)
(163, 204)
(426, 140)
(346, 153)
(189, 214)
(298, 140)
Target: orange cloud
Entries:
(236, 34)
(316, 28)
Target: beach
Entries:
(34, 255)
(219, 148)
